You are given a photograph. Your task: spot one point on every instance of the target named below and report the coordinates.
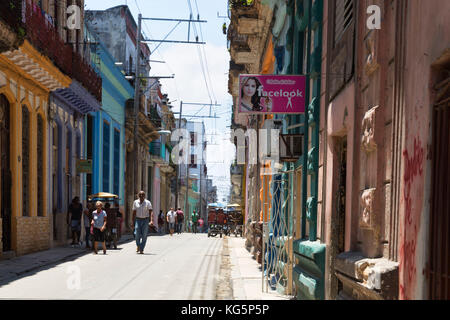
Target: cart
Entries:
(213, 228)
(237, 222)
(113, 217)
(222, 222)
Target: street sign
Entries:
(269, 94)
(84, 166)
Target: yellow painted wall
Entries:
(32, 233)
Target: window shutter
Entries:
(342, 51)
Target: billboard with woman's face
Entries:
(259, 94)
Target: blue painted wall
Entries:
(116, 90)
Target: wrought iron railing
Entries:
(43, 35)
(154, 117)
(86, 75)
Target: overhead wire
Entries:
(156, 49)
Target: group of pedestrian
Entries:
(175, 219)
(94, 222)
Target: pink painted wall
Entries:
(428, 35)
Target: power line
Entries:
(200, 53)
(204, 53)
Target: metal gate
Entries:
(277, 264)
(438, 267)
(6, 181)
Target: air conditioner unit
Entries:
(291, 147)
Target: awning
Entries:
(78, 98)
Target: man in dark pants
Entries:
(194, 221)
(142, 213)
(180, 220)
(74, 218)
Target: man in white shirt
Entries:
(171, 219)
(142, 213)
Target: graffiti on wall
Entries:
(413, 169)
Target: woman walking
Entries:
(99, 225)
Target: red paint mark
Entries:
(413, 169)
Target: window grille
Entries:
(106, 148)
(25, 161)
(40, 166)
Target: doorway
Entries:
(6, 182)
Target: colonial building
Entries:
(27, 77)
(105, 129)
(364, 205)
(117, 29)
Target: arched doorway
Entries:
(6, 183)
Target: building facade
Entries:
(33, 69)
(364, 205)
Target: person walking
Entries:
(99, 225)
(87, 218)
(119, 218)
(142, 213)
(200, 224)
(74, 218)
(180, 220)
(194, 219)
(171, 220)
(161, 221)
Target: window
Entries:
(342, 30)
(193, 163)
(89, 151)
(116, 169)
(106, 148)
(193, 138)
(343, 17)
(40, 166)
(25, 161)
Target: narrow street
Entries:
(182, 267)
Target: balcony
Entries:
(42, 34)
(85, 74)
(154, 117)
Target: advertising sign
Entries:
(261, 94)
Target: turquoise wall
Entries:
(116, 90)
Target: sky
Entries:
(201, 71)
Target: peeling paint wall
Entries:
(428, 35)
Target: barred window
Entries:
(40, 166)
(25, 161)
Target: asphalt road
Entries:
(181, 267)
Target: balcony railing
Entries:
(86, 75)
(41, 32)
(154, 117)
(44, 37)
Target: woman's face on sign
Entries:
(250, 88)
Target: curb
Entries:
(17, 273)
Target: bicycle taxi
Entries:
(113, 219)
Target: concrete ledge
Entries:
(372, 274)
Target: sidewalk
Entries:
(246, 274)
(15, 267)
